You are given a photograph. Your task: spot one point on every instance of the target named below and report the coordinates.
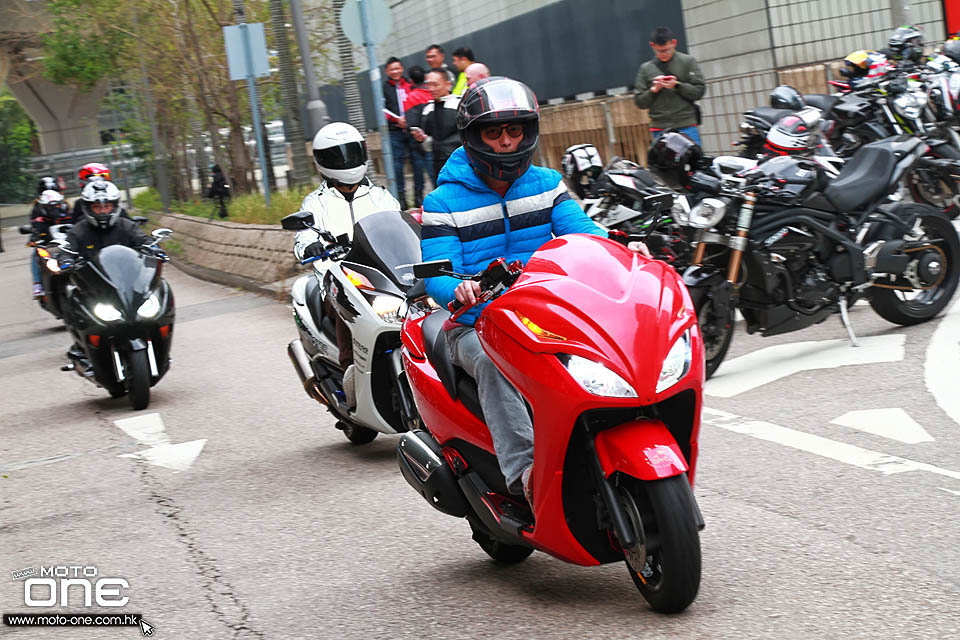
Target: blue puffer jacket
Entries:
(468, 223)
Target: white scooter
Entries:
(366, 282)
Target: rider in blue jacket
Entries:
(490, 202)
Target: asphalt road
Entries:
(282, 529)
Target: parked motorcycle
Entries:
(365, 281)
(120, 311)
(790, 247)
(604, 346)
(53, 280)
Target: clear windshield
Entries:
(388, 241)
(125, 269)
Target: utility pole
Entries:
(254, 101)
(317, 115)
(288, 92)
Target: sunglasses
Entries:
(493, 133)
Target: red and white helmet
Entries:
(91, 170)
(794, 134)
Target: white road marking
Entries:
(895, 424)
(767, 365)
(149, 430)
(839, 451)
(178, 457)
(146, 429)
(956, 493)
(940, 367)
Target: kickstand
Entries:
(845, 318)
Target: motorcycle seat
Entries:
(458, 383)
(821, 101)
(769, 114)
(865, 178)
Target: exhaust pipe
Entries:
(424, 467)
(301, 362)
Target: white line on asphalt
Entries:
(178, 457)
(895, 424)
(839, 451)
(779, 361)
(146, 429)
(940, 368)
(956, 493)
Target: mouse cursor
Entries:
(146, 628)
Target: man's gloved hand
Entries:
(313, 250)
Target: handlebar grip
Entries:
(454, 306)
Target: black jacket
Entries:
(86, 240)
(41, 221)
(438, 119)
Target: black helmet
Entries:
(47, 183)
(497, 101)
(786, 97)
(581, 167)
(951, 49)
(674, 157)
(906, 43)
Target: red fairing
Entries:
(661, 458)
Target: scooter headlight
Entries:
(106, 312)
(595, 378)
(388, 308)
(676, 364)
(707, 213)
(52, 265)
(150, 307)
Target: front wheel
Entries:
(936, 187)
(670, 576)
(930, 279)
(716, 327)
(138, 378)
(357, 434)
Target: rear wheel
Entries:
(499, 550)
(933, 271)
(357, 434)
(138, 378)
(670, 575)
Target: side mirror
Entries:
(343, 240)
(162, 234)
(139, 220)
(25, 229)
(297, 221)
(432, 269)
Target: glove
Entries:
(64, 261)
(315, 249)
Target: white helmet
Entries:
(50, 197)
(340, 153)
(102, 191)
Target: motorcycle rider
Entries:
(50, 208)
(47, 183)
(905, 45)
(491, 202)
(345, 196)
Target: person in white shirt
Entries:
(345, 196)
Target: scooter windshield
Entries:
(388, 241)
(130, 273)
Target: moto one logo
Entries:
(56, 584)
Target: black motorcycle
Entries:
(53, 280)
(789, 247)
(120, 312)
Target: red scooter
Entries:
(604, 346)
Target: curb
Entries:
(277, 291)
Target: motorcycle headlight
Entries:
(680, 210)
(106, 312)
(676, 364)
(388, 308)
(707, 213)
(150, 307)
(52, 265)
(908, 105)
(596, 378)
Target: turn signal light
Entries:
(536, 329)
(359, 280)
(165, 331)
(43, 252)
(94, 340)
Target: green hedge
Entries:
(251, 209)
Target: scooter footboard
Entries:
(644, 449)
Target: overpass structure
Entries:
(66, 118)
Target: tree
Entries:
(17, 133)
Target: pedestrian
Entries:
(421, 157)
(669, 86)
(462, 58)
(219, 190)
(439, 120)
(395, 91)
(435, 60)
(476, 71)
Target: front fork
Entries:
(136, 344)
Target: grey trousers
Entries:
(503, 406)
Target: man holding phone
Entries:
(669, 86)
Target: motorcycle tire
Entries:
(717, 333)
(670, 578)
(893, 306)
(499, 550)
(357, 434)
(138, 378)
(915, 182)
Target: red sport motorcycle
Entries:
(604, 346)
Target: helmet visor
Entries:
(342, 156)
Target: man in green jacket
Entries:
(669, 85)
